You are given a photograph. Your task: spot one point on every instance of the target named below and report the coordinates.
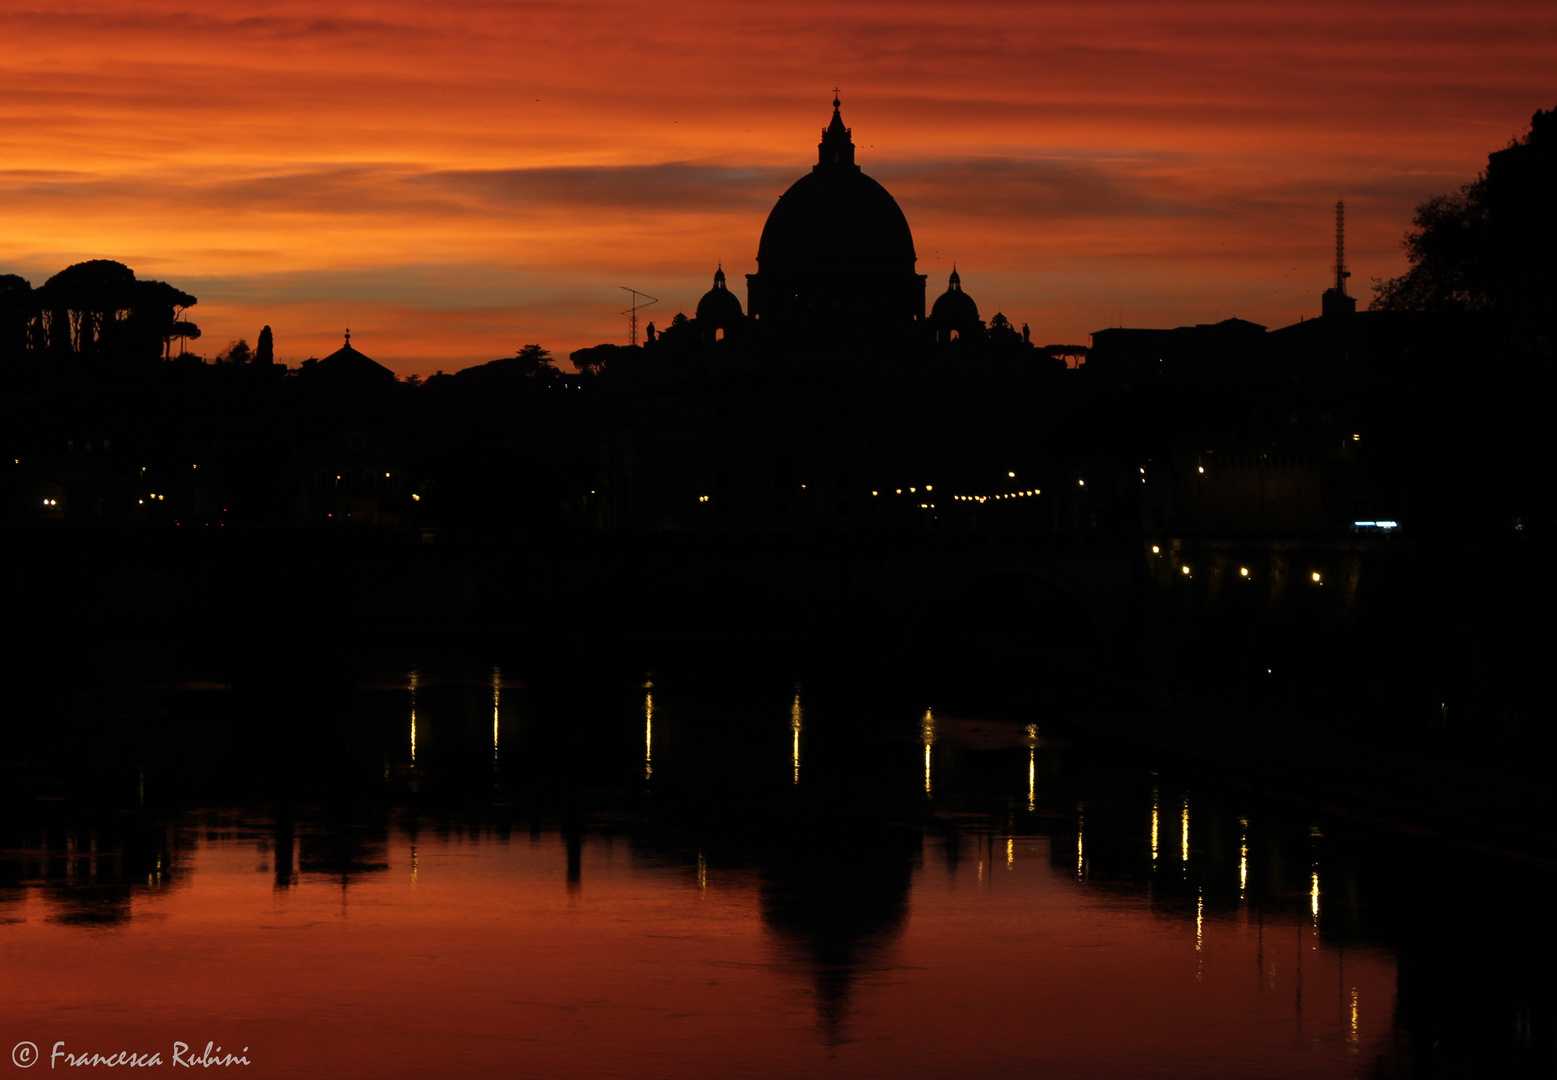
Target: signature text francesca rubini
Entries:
(212, 1055)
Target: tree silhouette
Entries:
(184, 331)
(237, 352)
(265, 351)
(99, 308)
(82, 303)
(533, 359)
(1489, 245)
(16, 316)
(1447, 251)
(605, 360)
(533, 363)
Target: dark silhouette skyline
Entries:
(1018, 610)
(1221, 483)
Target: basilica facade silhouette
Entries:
(836, 270)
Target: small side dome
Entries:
(719, 309)
(954, 313)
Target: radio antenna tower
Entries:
(632, 312)
(1341, 273)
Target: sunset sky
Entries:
(454, 180)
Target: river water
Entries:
(488, 866)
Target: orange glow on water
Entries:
(468, 952)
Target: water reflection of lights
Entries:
(927, 734)
(414, 680)
(1032, 767)
(1010, 852)
(415, 865)
(702, 872)
(1200, 939)
(1184, 834)
(1154, 826)
(794, 727)
(1243, 855)
(1355, 1034)
(497, 682)
(1315, 835)
(1081, 823)
(648, 732)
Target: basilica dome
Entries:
(719, 305)
(955, 314)
(719, 312)
(835, 216)
(836, 256)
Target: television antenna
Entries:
(1341, 273)
(632, 312)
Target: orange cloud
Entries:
(479, 174)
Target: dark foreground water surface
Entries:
(501, 866)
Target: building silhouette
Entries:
(836, 259)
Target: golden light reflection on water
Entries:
(1081, 822)
(1200, 935)
(497, 688)
(1243, 856)
(927, 733)
(1184, 832)
(1315, 836)
(1010, 852)
(795, 720)
(1154, 826)
(648, 731)
(1032, 767)
(415, 678)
